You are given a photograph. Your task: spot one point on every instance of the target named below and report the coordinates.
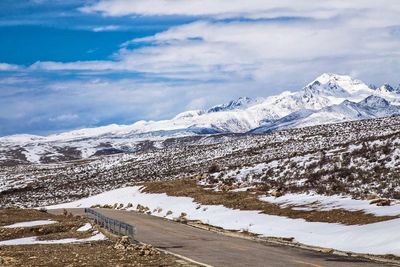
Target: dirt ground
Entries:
(65, 226)
(249, 201)
(99, 253)
(10, 216)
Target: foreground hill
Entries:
(353, 158)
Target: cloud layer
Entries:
(233, 48)
(254, 9)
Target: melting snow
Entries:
(320, 202)
(30, 223)
(377, 238)
(34, 241)
(85, 228)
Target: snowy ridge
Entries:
(330, 98)
(369, 108)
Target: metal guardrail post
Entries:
(114, 226)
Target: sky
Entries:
(73, 64)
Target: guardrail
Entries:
(114, 226)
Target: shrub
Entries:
(213, 168)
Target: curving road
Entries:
(220, 250)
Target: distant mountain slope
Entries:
(369, 108)
(329, 98)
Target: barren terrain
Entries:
(94, 253)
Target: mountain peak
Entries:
(241, 102)
(332, 84)
(387, 88)
(332, 77)
(327, 84)
(375, 101)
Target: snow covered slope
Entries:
(329, 98)
(369, 108)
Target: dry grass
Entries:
(99, 253)
(65, 227)
(250, 201)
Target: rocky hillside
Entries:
(353, 158)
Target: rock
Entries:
(129, 205)
(289, 239)
(142, 209)
(384, 202)
(372, 197)
(198, 177)
(146, 250)
(381, 202)
(182, 218)
(159, 210)
(7, 261)
(327, 250)
(125, 240)
(276, 194)
(226, 188)
(123, 243)
(119, 247)
(43, 210)
(65, 212)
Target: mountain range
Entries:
(330, 98)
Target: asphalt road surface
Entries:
(219, 250)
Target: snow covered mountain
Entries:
(240, 103)
(369, 108)
(329, 98)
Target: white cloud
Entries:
(252, 50)
(106, 28)
(8, 67)
(212, 61)
(64, 118)
(251, 8)
(339, 35)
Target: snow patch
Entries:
(34, 241)
(30, 224)
(320, 202)
(85, 228)
(376, 238)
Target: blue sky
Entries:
(73, 64)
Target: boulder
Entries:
(372, 197)
(381, 202)
(122, 243)
(142, 209)
(276, 194)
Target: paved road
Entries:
(220, 250)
